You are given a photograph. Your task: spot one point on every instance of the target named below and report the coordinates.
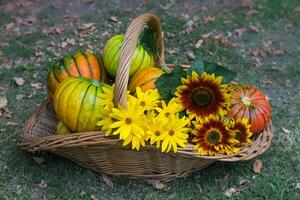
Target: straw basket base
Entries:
(95, 151)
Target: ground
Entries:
(259, 40)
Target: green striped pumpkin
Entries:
(111, 54)
(77, 103)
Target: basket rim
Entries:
(259, 145)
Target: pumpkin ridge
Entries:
(80, 107)
(60, 92)
(262, 114)
(73, 57)
(114, 55)
(107, 55)
(89, 64)
(66, 68)
(142, 60)
(55, 68)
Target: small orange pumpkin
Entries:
(248, 101)
(145, 78)
(80, 64)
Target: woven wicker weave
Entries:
(94, 151)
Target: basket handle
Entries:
(132, 35)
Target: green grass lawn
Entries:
(259, 41)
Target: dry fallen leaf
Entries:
(93, 197)
(298, 186)
(256, 61)
(11, 124)
(70, 41)
(244, 3)
(114, 19)
(37, 86)
(253, 29)
(173, 51)
(239, 32)
(286, 130)
(86, 26)
(19, 81)
(39, 160)
(10, 26)
(198, 44)
(208, 19)
(107, 181)
(63, 44)
(157, 184)
(244, 182)
(251, 12)
(42, 184)
(232, 191)
(3, 102)
(257, 166)
(191, 55)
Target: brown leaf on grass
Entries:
(114, 19)
(11, 124)
(253, 29)
(19, 81)
(251, 12)
(3, 102)
(158, 185)
(209, 18)
(198, 44)
(10, 26)
(53, 30)
(173, 51)
(39, 160)
(86, 26)
(93, 197)
(31, 20)
(277, 52)
(257, 166)
(223, 40)
(191, 55)
(244, 182)
(266, 82)
(70, 41)
(231, 192)
(256, 61)
(108, 182)
(63, 44)
(244, 3)
(19, 97)
(42, 184)
(274, 68)
(37, 86)
(239, 32)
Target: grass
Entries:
(21, 177)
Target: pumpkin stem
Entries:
(95, 83)
(246, 100)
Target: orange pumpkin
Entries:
(80, 64)
(248, 101)
(145, 78)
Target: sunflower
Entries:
(171, 108)
(241, 128)
(156, 127)
(147, 100)
(212, 136)
(202, 96)
(129, 123)
(176, 133)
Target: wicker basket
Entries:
(94, 151)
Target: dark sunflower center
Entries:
(143, 103)
(238, 135)
(128, 121)
(213, 137)
(157, 133)
(167, 114)
(202, 97)
(171, 132)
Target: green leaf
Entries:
(148, 41)
(168, 82)
(197, 66)
(211, 67)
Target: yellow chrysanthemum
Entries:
(241, 128)
(156, 128)
(203, 95)
(129, 123)
(171, 108)
(176, 134)
(213, 136)
(148, 99)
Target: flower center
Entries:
(128, 121)
(157, 133)
(246, 101)
(171, 132)
(213, 137)
(143, 103)
(167, 114)
(238, 135)
(202, 97)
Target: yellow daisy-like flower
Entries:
(176, 134)
(105, 122)
(147, 100)
(171, 108)
(203, 95)
(107, 97)
(156, 127)
(241, 128)
(129, 123)
(213, 136)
